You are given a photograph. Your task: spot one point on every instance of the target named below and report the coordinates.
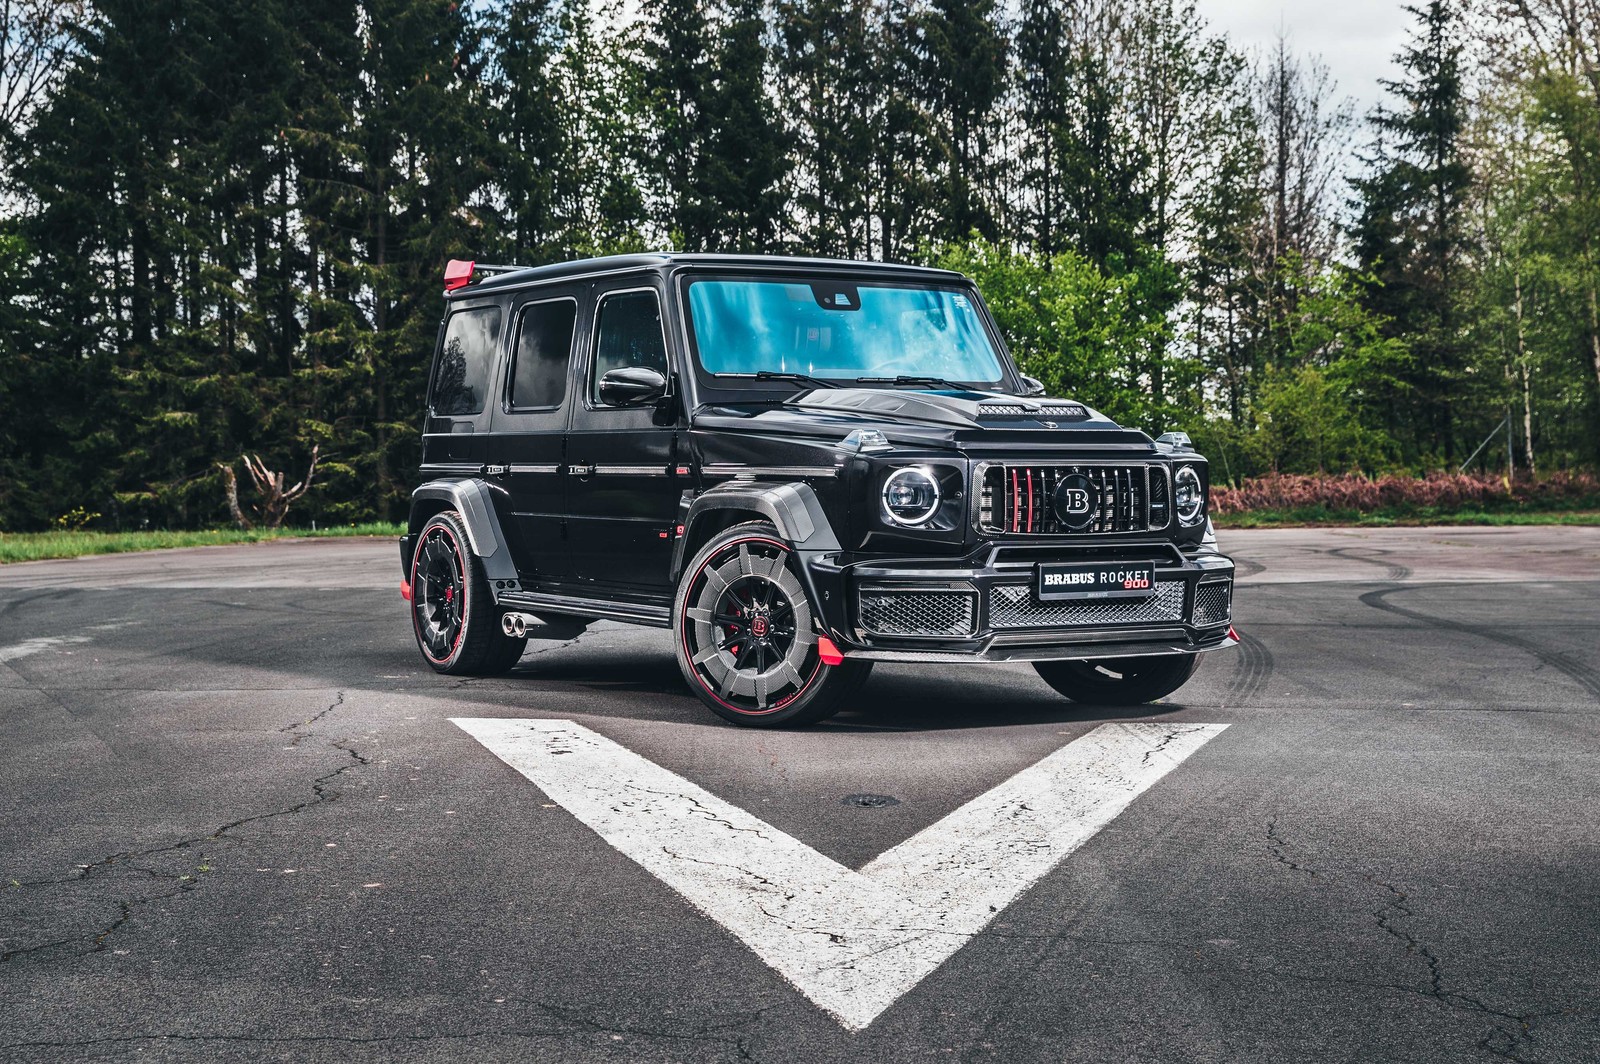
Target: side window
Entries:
(629, 334)
(461, 379)
(544, 346)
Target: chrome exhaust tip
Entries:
(516, 625)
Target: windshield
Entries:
(840, 330)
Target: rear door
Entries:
(527, 449)
(622, 482)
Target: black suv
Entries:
(800, 467)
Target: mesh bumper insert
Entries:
(1012, 606)
(947, 613)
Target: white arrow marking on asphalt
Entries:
(851, 941)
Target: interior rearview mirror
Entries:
(631, 386)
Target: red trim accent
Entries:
(683, 639)
(1231, 633)
(828, 652)
(458, 274)
(1030, 500)
(405, 590)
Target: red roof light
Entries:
(458, 274)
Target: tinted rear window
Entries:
(462, 378)
(544, 346)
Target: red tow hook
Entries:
(405, 590)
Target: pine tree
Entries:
(1411, 234)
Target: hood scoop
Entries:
(1033, 411)
(964, 409)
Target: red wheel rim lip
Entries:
(461, 563)
(688, 654)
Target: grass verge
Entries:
(1320, 516)
(39, 546)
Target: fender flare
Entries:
(794, 510)
(470, 497)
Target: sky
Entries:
(1356, 38)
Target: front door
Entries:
(527, 447)
(622, 482)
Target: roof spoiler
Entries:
(458, 272)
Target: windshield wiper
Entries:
(774, 375)
(940, 381)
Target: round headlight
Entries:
(1188, 496)
(910, 496)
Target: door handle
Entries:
(496, 470)
(580, 470)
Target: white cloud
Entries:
(1356, 38)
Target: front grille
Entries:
(1212, 603)
(1121, 498)
(886, 612)
(1013, 606)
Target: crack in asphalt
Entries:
(1510, 1029)
(321, 792)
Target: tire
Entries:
(1119, 681)
(743, 583)
(453, 615)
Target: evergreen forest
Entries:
(223, 226)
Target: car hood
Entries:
(925, 416)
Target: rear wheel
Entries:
(744, 637)
(1119, 681)
(453, 615)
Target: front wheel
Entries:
(744, 636)
(1119, 681)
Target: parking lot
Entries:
(242, 819)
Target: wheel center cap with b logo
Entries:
(758, 627)
(1075, 499)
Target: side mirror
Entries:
(1178, 441)
(631, 386)
(1032, 386)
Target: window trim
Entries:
(508, 396)
(488, 379)
(592, 382)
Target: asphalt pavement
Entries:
(239, 824)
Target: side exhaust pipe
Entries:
(531, 626)
(516, 624)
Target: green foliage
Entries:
(1083, 332)
(224, 224)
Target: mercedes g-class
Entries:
(800, 467)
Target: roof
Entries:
(671, 259)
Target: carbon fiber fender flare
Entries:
(472, 498)
(792, 508)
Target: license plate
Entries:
(1111, 580)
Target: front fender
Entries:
(792, 508)
(470, 497)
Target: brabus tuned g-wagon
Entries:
(800, 467)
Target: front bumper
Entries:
(983, 607)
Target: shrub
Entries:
(1437, 491)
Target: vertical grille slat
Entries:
(1020, 499)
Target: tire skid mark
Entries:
(1582, 673)
(1252, 669)
(1374, 556)
(1244, 568)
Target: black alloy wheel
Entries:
(1119, 681)
(454, 617)
(745, 636)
